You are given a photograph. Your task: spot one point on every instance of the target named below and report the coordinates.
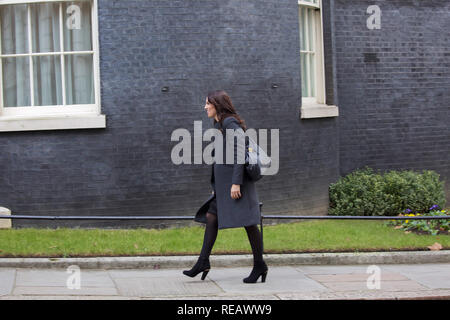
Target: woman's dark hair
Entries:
(224, 107)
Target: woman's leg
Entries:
(209, 238)
(259, 266)
(254, 236)
(210, 235)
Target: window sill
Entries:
(52, 122)
(315, 110)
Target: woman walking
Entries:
(234, 201)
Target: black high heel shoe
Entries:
(201, 266)
(257, 271)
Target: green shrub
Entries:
(366, 193)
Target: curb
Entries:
(163, 262)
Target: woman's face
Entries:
(210, 109)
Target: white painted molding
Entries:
(316, 110)
(5, 223)
(58, 122)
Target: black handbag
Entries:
(256, 160)
(252, 162)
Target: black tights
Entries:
(254, 236)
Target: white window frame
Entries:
(316, 107)
(54, 117)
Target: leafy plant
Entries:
(432, 227)
(368, 193)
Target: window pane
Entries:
(312, 80)
(77, 26)
(304, 75)
(16, 82)
(45, 27)
(311, 27)
(79, 79)
(308, 66)
(14, 25)
(312, 1)
(307, 24)
(47, 81)
(302, 27)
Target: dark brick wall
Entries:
(191, 47)
(394, 113)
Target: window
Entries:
(49, 69)
(312, 61)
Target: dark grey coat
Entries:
(231, 213)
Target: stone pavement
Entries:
(298, 282)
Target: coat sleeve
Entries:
(238, 169)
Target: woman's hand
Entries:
(236, 191)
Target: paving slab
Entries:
(166, 282)
(430, 280)
(339, 269)
(279, 279)
(433, 276)
(7, 277)
(164, 273)
(55, 282)
(393, 277)
(368, 295)
(407, 285)
(67, 297)
(58, 278)
(355, 277)
(165, 286)
(442, 268)
(49, 291)
(223, 296)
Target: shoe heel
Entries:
(263, 277)
(204, 274)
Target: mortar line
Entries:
(14, 282)
(119, 293)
